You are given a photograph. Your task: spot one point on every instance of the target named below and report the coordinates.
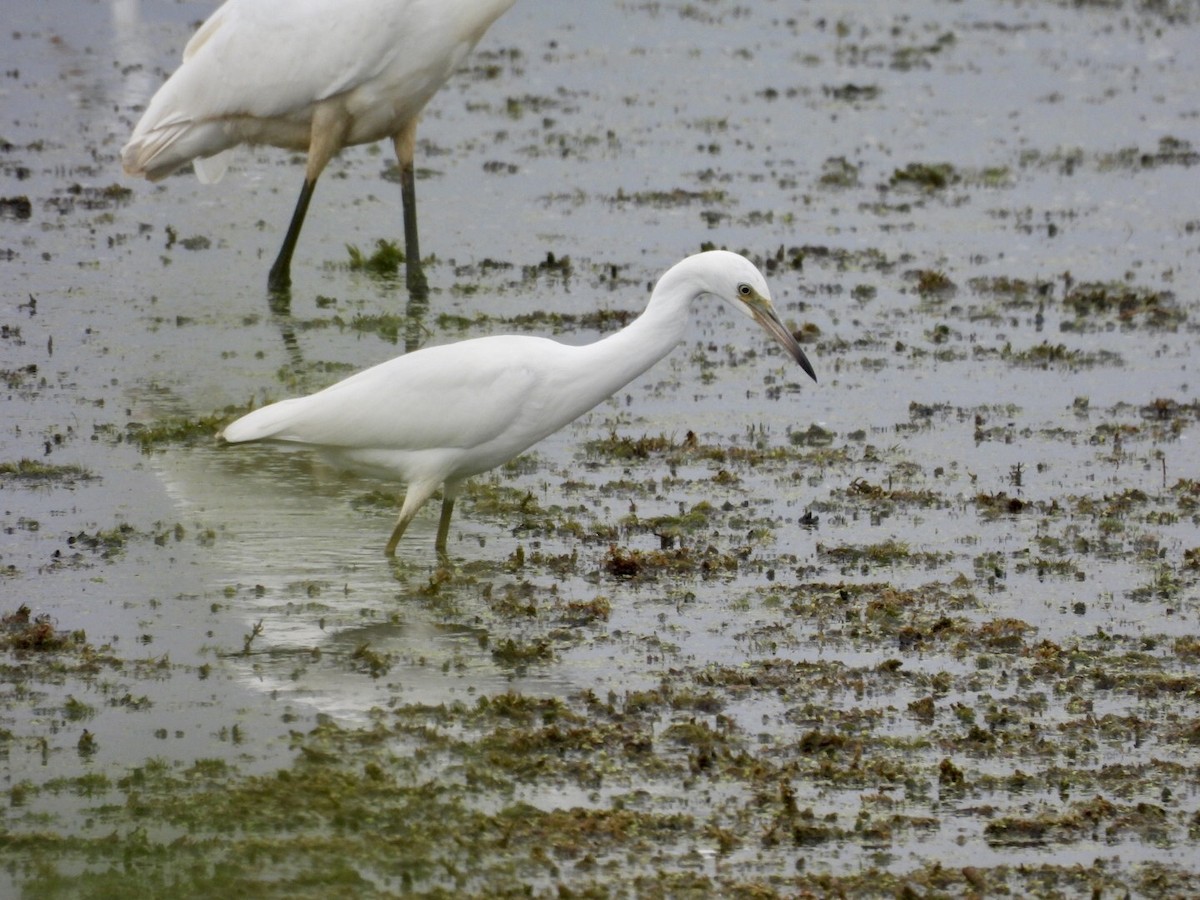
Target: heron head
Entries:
(747, 290)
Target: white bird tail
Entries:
(271, 421)
(156, 150)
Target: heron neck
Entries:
(628, 353)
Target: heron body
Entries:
(311, 75)
(435, 417)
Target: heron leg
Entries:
(330, 125)
(405, 142)
(397, 533)
(280, 279)
(414, 499)
(443, 531)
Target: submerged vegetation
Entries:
(876, 697)
(32, 471)
(386, 807)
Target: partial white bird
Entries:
(314, 75)
(435, 417)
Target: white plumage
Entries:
(437, 416)
(311, 75)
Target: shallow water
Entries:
(622, 137)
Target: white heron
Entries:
(313, 75)
(435, 417)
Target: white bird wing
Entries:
(264, 64)
(272, 58)
(461, 396)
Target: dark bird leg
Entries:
(330, 125)
(405, 143)
(443, 531)
(279, 282)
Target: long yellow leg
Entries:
(397, 533)
(414, 499)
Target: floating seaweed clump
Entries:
(1127, 304)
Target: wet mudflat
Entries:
(927, 628)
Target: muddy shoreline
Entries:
(925, 629)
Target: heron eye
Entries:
(744, 290)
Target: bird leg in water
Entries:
(397, 533)
(444, 524)
(405, 142)
(280, 279)
(330, 126)
(414, 499)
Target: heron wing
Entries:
(273, 58)
(457, 396)
(256, 68)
